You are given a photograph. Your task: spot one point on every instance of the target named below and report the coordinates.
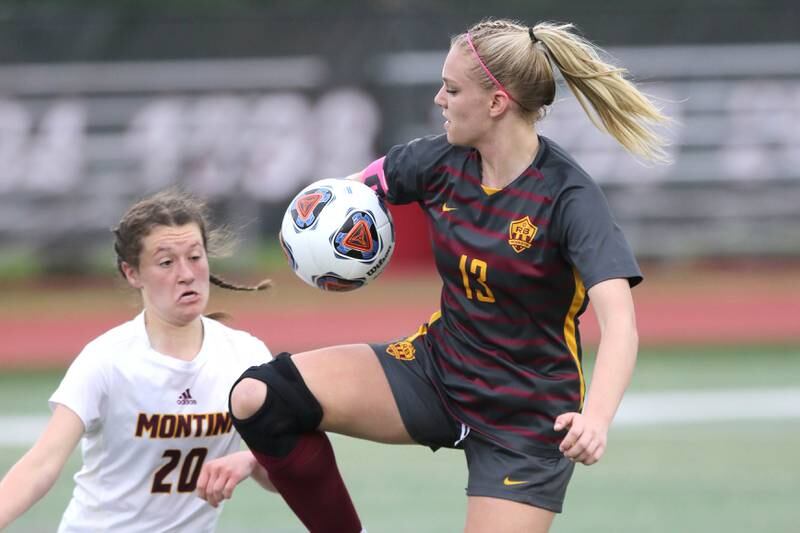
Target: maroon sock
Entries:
(309, 481)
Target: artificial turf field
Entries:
(726, 475)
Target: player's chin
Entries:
(187, 312)
(452, 136)
(457, 138)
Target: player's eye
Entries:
(165, 262)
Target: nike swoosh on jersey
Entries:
(446, 208)
(510, 482)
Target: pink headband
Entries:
(488, 73)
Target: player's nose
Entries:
(185, 272)
(439, 98)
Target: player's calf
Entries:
(277, 416)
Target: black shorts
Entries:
(500, 472)
(494, 470)
(423, 413)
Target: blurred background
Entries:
(245, 102)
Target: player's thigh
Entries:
(351, 386)
(495, 515)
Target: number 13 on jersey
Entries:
(476, 274)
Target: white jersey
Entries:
(150, 423)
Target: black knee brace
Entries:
(289, 410)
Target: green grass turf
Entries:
(717, 367)
(719, 476)
(26, 392)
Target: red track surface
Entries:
(727, 310)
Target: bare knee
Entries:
(247, 397)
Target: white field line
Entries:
(708, 406)
(637, 409)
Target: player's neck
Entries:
(179, 341)
(503, 160)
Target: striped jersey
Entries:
(515, 265)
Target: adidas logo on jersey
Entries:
(186, 398)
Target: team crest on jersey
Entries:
(402, 350)
(521, 233)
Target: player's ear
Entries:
(132, 275)
(498, 104)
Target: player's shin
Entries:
(300, 461)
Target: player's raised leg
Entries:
(350, 384)
(279, 407)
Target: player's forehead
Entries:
(457, 66)
(172, 238)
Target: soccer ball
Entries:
(337, 234)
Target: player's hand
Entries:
(586, 437)
(219, 477)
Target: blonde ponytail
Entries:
(617, 106)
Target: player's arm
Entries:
(372, 176)
(36, 472)
(219, 477)
(586, 439)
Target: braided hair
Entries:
(172, 207)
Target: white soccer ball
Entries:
(337, 234)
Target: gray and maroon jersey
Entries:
(515, 265)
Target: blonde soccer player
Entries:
(523, 238)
